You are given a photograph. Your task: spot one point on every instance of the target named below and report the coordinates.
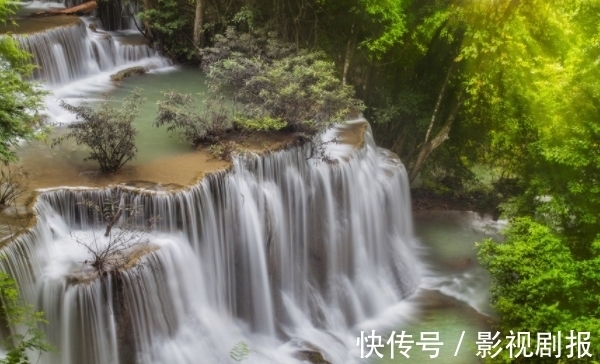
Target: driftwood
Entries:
(74, 10)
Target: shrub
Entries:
(107, 131)
(197, 124)
(13, 183)
(261, 124)
(18, 314)
(225, 150)
(303, 90)
(273, 80)
(257, 45)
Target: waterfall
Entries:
(279, 252)
(69, 53)
(114, 14)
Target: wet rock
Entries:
(128, 73)
(311, 356)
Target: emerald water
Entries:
(162, 157)
(455, 293)
(152, 142)
(156, 142)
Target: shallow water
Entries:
(454, 294)
(161, 158)
(156, 142)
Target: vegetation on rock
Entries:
(273, 81)
(128, 72)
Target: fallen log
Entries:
(84, 8)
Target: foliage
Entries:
(543, 103)
(256, 44)
(208, 123)
(300, 88)
(303, 90)
(107, 131)
(539, 286)
(225, 150)
(546, 113)
(169, 21)
(262, 124)
(240, 351)
(23, 317)
(13, 184)
(20, 99)
(376, 25)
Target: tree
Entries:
(107, 131)
(20, 99)
(169, 24)
(199, 24)
(273, 81)
(372, 26)
(544, 276)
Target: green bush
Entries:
(261, 124)
(197, 125)
(19, 314)
(107, 131)
(273, 81)
(538, 286)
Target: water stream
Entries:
(281, 254)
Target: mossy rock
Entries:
(311, 356)
(128, 73)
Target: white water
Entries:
(76, 62)
(114, 14)
(280, 253)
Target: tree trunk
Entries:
(438, 103)
(430, 146)
(147, 29)
(199, 24)
(349, 47)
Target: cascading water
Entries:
(76, 60)
(69, 53)
(114, 14)
(279, 252)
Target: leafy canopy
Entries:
(273, 81)
(20, 99)
(538, 286)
